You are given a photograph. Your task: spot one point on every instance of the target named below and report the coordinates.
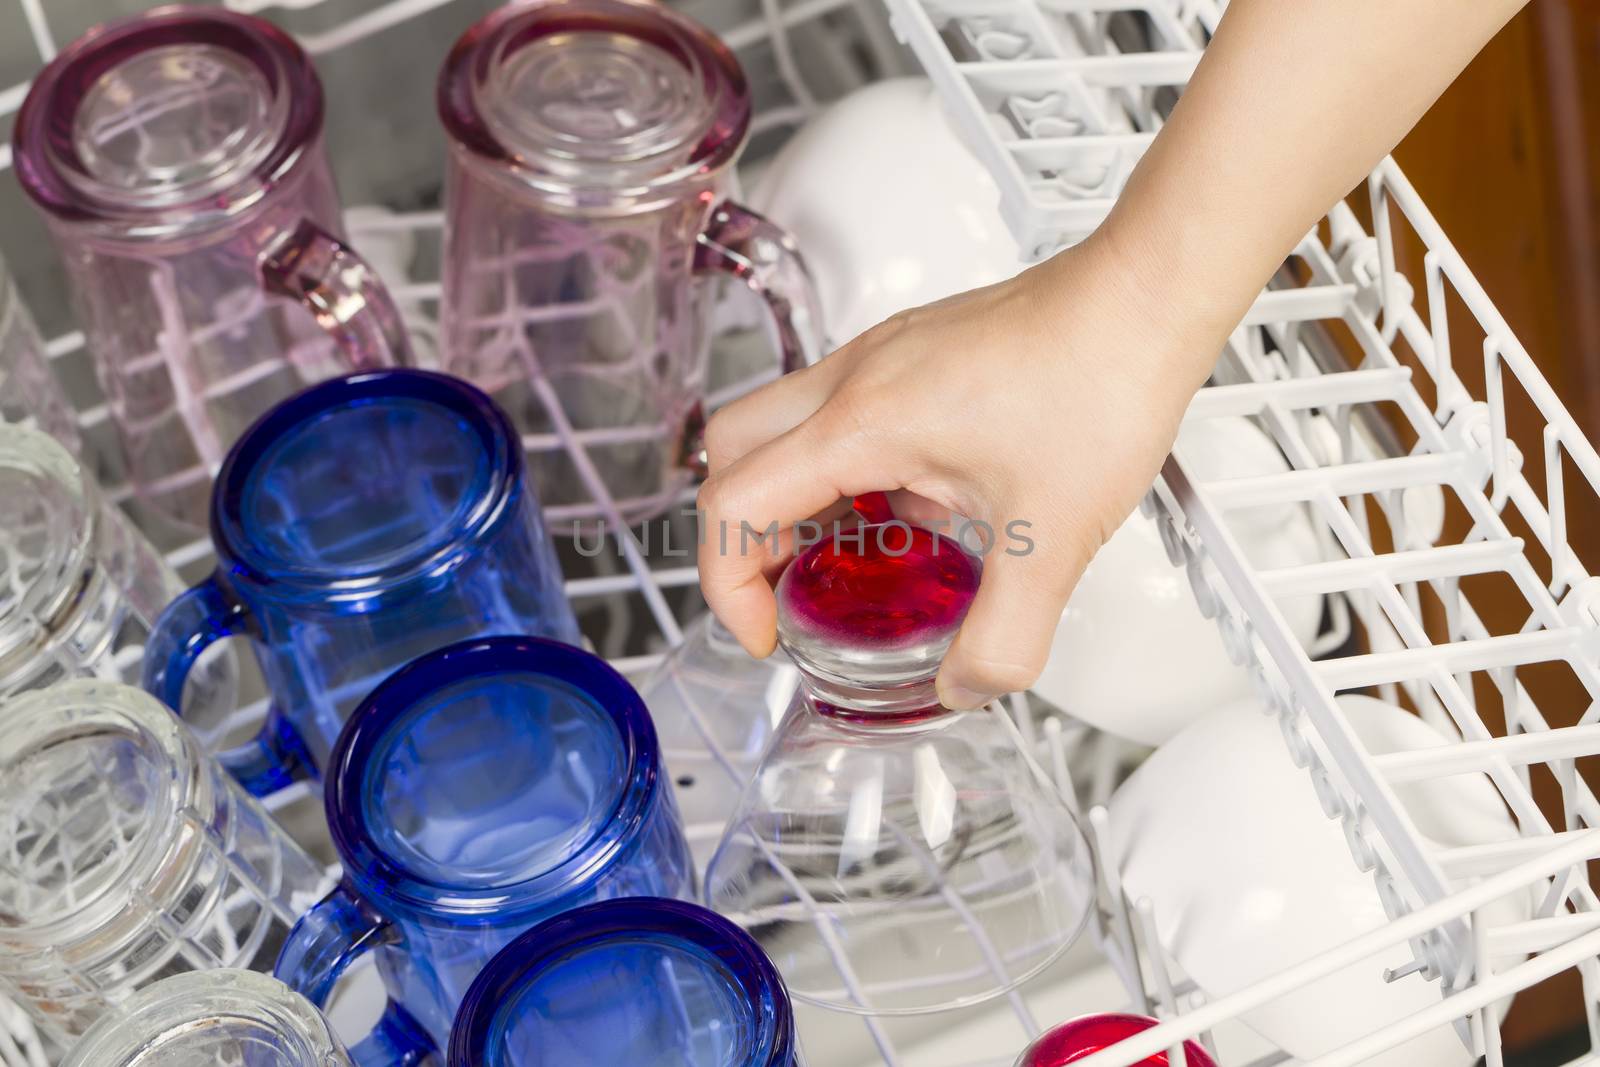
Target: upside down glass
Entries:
(639, 981)
(358, 525)
(126, 855)
(592, 144)
(29, 392)
(944, 866)
(177, 157)
(212, 1019)
(714, 707)
(480, 790)
(80, 588)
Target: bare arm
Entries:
(1053, 398)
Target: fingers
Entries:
(1006, 638)
(774, 409)
(748, 507)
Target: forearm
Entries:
(1294, 102)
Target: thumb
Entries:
(1006, 637)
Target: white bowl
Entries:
(889, 208)
(1248, 876)
(1132, 654)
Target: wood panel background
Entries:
(1509, 162)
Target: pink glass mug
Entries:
(592, 144)
(177, 157)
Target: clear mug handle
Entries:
(336, 932)
(200, 617)
(311, 266)
(764, 256)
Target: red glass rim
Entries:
(511, 28)
(43, 144)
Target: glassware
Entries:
(79, 587)
(177, 157)
(29, 392)
(891, 855)
(627, 982)
(480, 790)
(592, 144)
(1082, 1037)
(358, 525)
(126, 855)
(714, 706)
(209, 1019)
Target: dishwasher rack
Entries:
(1059, 98)
(1402, 448)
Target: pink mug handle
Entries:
(343, 293)
(764, 256)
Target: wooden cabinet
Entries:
(1509, 162)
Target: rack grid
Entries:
(1416, 475)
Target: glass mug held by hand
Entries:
(480, 790)
(360, 524)
(592, 146)
(926, 840)
(177, 158)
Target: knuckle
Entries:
(721, 438)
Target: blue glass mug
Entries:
(640, 981)
(478, 791)
(359, 524)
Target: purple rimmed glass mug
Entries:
(592, 144)
(177, 158)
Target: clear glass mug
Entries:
(479, 790)
(128, 855)
(209, 1018)
(592, 145)
(177, 158)
(29, 392)
(80, 588)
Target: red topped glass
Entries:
(177, 157)
(885, 835)
(1080, 1038)
(587, 199)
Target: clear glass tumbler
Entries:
(126, 855)
(358, 525)
(480, 790)
(638, 981)
(177, 157)
(226, 1018)
(891, 855)
(592, 144)
(29, 392)
(80, 588)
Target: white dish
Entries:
(1248, 876)
(889, 208)
(1132, 654)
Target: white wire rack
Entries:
(1059, 98)
(1409, 459)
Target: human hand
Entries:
(1050, 400)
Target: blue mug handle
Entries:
(326, 940)
(195, 621)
